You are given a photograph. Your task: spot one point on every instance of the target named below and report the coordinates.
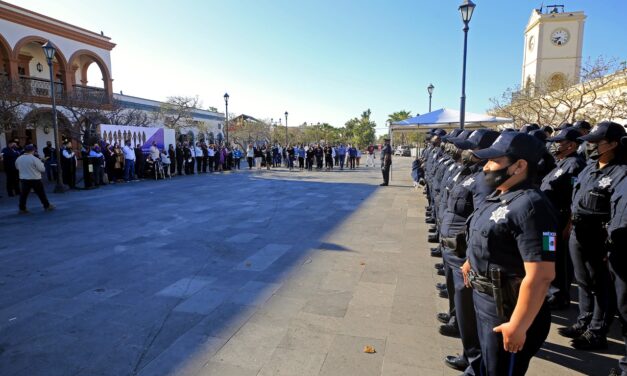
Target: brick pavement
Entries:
(247, 273)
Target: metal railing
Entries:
(31, 88)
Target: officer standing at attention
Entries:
(557, 185)
(590, 213)
(617, 239)
(511, 253)
(466, 194)
(386, 161)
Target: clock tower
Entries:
(553, 44)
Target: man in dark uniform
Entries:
(617, 239)
(557, 185)
(386, 161)
(511, 249)
(590, 213)
(468, 192)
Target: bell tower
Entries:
(553, 45)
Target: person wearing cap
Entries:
(68, 165)
(438, 156)
(30, 169)
(590, 210)
(511, 253)
(547, 161)
(584, 128)
(617, 259)
(386, 161)
(557, 185)
(465, 194)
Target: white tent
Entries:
(447, 118)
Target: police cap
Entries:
(539, 134)
(439, 132)
(582, 124)
(527, 128)
(569, 134)
(454, 133)
(606, 130)
(479, 139)
(564, 126)
(515, 145)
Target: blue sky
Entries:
(322, 60)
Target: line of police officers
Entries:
(517, 215)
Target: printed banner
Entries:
(143, 136)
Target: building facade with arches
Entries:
(82, 73)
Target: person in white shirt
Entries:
(154, 151)
(129, 161)
(30, 169)
(165, 160)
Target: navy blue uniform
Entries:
(468, 192)
(506, 231)
(590, 213)
(557, 185)
(617, 232)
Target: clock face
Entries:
(532, 43)
(560, 37)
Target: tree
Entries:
(11, 99)
(120, 115)
(598, 95)
(399, 115)
(361, 131)
(177, 112)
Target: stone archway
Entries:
(79, 62)
(60, 69)
(5, 57)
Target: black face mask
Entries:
(495, 178)
(466, 158)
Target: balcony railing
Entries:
(89, 94)
(31, 88)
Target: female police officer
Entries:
(511, 253)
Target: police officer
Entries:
(590, 213)
(617, 239)
(466, 193)
(386, 161)
(511, 252)
(557, 185)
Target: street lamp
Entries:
(466, 10)
(50, 51)
(226, 104)
(430, 90)
(285, 128)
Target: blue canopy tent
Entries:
(447, 118)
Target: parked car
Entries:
(402, 151)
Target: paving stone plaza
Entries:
(246, 273)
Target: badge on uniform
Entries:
(559, 172)
(605, 182)
(499, 214)
(548, 241)
(468, 182)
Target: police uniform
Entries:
(467, 192)
(506, 231)
(386, 162)
(557, 185)
(617, 232)
(590, 213)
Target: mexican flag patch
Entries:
(548, 241)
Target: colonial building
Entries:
(83, 77)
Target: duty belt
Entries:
(450, 243)
(481, 284)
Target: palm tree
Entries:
(399, 115)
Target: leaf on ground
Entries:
(248, 263)
(369, 349)
(362, 263)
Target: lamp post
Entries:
(50, 51)
(466, 10)
(226, 123)
(272, 131)
(430, 90)
(285, 128)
